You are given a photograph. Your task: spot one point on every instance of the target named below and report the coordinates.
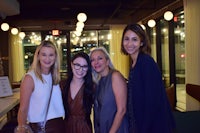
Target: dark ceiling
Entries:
(62, 14)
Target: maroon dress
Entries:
(76, 122)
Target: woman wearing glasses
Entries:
(110, 95)
(77, 95)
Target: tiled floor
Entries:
(181, 97)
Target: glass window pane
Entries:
(179, 34)
(104, 39)
(30, 42)
(165, 51)
(60, 42)
(153, 43)
(180, 47)
(84, 42)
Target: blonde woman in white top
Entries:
(35, 91)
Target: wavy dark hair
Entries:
(88, 87)
(145, 48)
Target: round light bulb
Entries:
(22, 35)
(77, 33)
(26, 57)
(151, 23)
(79, 29)
(14, 31)
(168, 15)
(4, 26)
(143, 27)
(80, 24)
(82, 17)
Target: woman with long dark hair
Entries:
(78, 95)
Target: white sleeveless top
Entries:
(40, 97)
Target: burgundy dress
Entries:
(76, 122)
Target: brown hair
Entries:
(145, 48)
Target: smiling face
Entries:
(47, 57)
(131, 42)
(99, 62)
(79, 67)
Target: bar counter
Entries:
(9, 102)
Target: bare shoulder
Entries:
(118, 78)
(27, 82)
(27, 78)
(118, 83)
(117, 75)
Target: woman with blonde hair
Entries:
(40, 94)
(110, 95)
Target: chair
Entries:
(193, 90)
(192, 97)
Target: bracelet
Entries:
(22, 127)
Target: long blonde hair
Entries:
(55, 68)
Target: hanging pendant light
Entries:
(168, 15)
(143, 27)
(22, 35)
(14, 31)
(82, 17)
(80, 24)
(151, 23)
(5, 26)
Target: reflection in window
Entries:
(89, 40)
(85, 42)
(153, 43)
(104, 39)
(165, 51)
(30, 42)
(179, 33)
(60, 42)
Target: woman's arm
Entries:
(120, 92)
(26, 89)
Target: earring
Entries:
(141, 44)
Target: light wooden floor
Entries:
(181, 97)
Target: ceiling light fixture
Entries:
(77, 33)
(22, 35)
(168, 15)
(14, 31)
(79, 29)
(143, 27)
(5, 26)
(82, 17)
(80, 24)
(151, 23)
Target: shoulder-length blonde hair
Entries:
(55, 68)
(95, 75)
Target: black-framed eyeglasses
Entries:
(78, 67)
